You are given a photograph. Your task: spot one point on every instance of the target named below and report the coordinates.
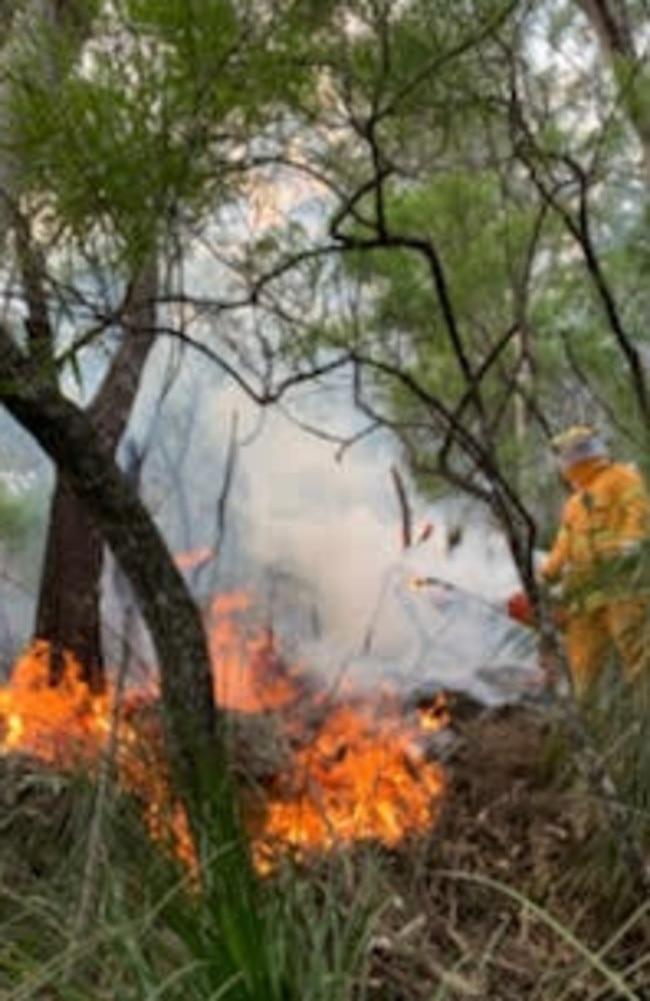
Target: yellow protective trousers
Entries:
(590, 636)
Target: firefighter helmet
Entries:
(577, 444)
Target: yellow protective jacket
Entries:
(608, 509)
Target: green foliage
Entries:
(353, 926)
(153, 123)
(481, 239)
(574, 345)
(18, 514)
(292, 936)
(484, 168)
(211, 25)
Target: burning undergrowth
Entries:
(451, 896)
(317, 767)
(351, 782)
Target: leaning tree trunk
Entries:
(46, 36)
(66, 434)
(67, 616)
(68, 611)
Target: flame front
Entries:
(355, 769)
(361, 778)
(61, 724)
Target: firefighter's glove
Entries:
(520, 609)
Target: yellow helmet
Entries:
(577, 444)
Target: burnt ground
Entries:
(505, 898)
(520, 880)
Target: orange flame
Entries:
(58, 724)
(356, 770)
(434, 714)
(360, 779)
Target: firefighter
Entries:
(597, 557)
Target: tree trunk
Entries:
(67, 616)
(68, 611)
(66, 434)
(45, 35)
(611, 20)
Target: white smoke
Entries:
(334, 525)
(318, 530)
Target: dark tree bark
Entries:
(67, 615)
(68, 437)
(68, 611)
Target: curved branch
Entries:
(580, 229)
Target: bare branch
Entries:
(406, 517)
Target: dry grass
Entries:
(514, 895)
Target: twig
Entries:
(404, 507)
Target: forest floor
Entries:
(515, 893)
(522, 886)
